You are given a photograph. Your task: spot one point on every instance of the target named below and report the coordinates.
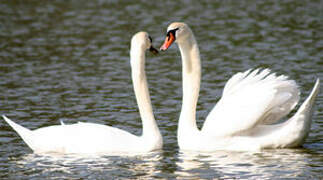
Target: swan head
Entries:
(176, 32)
(143, 41)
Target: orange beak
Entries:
(168, 41)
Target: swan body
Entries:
(97, 138)
(246, 117)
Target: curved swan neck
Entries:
(191, 73)
(137, 55)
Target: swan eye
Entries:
(173, 31)
(150, 39)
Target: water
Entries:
(69, 60)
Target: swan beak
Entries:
(153, 50)
(168, 41)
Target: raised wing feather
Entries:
(251, 98)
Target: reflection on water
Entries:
(75, 166)
(282, 163)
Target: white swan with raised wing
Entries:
(97, 138)
(246, 116)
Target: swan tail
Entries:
(23, 132)
(303, 118)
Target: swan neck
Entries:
(139, 80)
(191, 74)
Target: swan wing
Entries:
(82, 138)
(251, 98)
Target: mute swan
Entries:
(245, 118)
(97, 138)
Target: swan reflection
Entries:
(87, 166)
(225, 164)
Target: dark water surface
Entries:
(69, 60)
